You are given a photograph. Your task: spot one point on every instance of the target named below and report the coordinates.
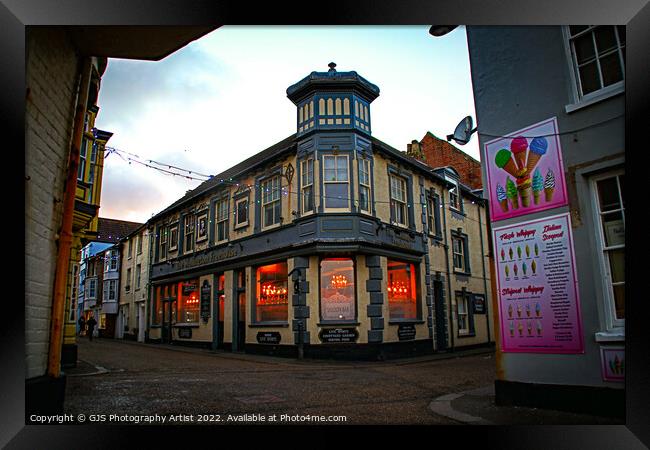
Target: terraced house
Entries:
(329, 243)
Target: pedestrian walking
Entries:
(91, 322)
(82, 325)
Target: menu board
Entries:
(525, 172)
(539, 308)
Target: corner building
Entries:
(330, 242)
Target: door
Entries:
(217, 319)
(167, 321)
(239, 309)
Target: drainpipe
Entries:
(485, 288)
(147, 312)
(444, 225)
(65, 233)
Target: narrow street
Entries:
(115, 377)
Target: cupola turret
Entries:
(333, 101)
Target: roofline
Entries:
(452, 145)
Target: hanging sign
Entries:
(539, 308)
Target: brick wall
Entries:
(440, 153)
(51, 77)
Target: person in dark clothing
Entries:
(91, 322)
(82, 325)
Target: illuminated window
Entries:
(222, 220)
(335, 181)
(307, 185)
(271, 202)
(364, 185)
(401, 290)
(337, 289)
(189, 232)
(188, 302)
(398, 200)
(272, 295)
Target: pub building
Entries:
(327, 244)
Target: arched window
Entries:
(346, 106)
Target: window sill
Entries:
(337, 323)
(405, 321)
(466, 335)
(463, 273)
(269, 325)
(271, 227)
(610, 336)
(241, 226)
(603, 94)
(186, 325)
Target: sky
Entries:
(222, 99)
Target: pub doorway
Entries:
(169, 317)
(239, 308)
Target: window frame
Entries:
(202, 216)
(579, 100)
(304, 186)
(277, 221)
(256, 295)
(326, 182)
(355, 318)
(189, 219)
(418, 303)
(361, 163)
(458, 235)
(395, 201)
(173, 243)
(238, 201)
(609, 304)
(138, 276)
(163, 243)
(455, 190)
(433, 214)
(127, 285)
(466, 299)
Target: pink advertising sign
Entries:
(525, 172)
(539, 308)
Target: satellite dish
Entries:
(463, 132)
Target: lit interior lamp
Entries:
(397, 289)
(339, 281)
(272, 295)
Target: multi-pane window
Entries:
(307, 185)
(335, 181)
(598, 56)
(109, 290)
(337, 289)
(188, 302)
(610, 210)
(173, 237)
(398, 200)
(241, 212)
(462, 313)
(458, 249)
(190, 225)
(271, 201)
(163, 242)
(92, 288)
(433, 215)
(138, 276)
(364, 185)
(222, 220)
(402, 290)
(454, 197)
(114, 255)
(82, 160)
(272, 296)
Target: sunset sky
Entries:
(222, 98)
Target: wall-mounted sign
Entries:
(479, 304)
(185, 333)
(205, 300)
(525, 172)
(612, 363)
(406, 332)
(188, 288)
(268, 337)
(537, 287)
(338, 335)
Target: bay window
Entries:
(335, 182)
(364, 185)
(272, 294)
(337, 289)
(402, 290)
(398, 200)
(271, 202)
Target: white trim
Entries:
(237, 202)
(596, 97)
(326, 182)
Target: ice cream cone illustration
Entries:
(516, 269)
(519, 252)
(502, 198)
(527, 310)
(524, 268)
(536, 250)
(510, 311)
(539, 328)
(507, 271)
(503, 254)
(538, 309)
(533, 266)
(510, 252)
(512, 328)
(503, 160)
(518, 147)
(538, 148)
(538, 186)
(511, 193)
(549, 185)
(527, 251)
(520, 327)
(529, 325)
(518, 310)
(524, 188)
